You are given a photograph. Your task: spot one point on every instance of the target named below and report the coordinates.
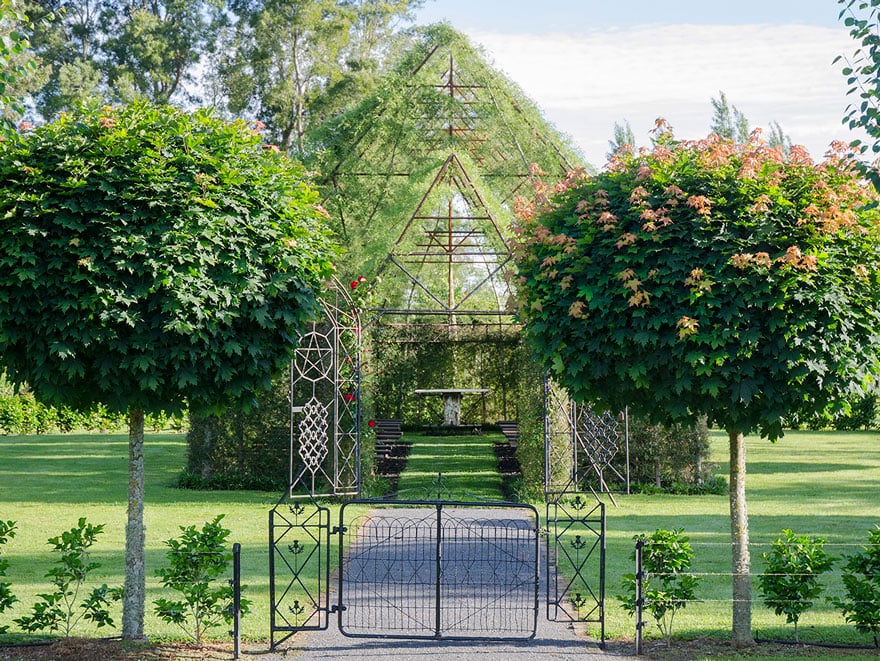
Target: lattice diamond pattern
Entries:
(598, 435)
(313, 434)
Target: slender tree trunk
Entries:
(739, 528)
(135, 573)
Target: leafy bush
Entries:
(59, 608)
(861, 578)
(241, 449)
(667, 588)
(671, 457)
(7, 532)
(196, 559)
(791, 579)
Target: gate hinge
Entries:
(336, 529)
(335, 608)
(544, 532)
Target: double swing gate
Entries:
(434, 569)
(429, 569)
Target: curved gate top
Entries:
(325, 401)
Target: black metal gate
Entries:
(439, 569)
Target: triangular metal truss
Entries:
(451, 253)
(451, 257)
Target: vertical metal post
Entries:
(626, 438)
(602, 574)
(438, 558)
(640, 595)
(236, 600)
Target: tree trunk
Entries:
(739, 528)
(135, 573)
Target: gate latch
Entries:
(336, 529)
(335, 608)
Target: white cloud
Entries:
(585, 83)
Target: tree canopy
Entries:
(706, 278)
(152, 256)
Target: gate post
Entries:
(640, 596)
(438, 559)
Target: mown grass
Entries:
(818, 483)
(812, 482)
(48, 482)
(467, 466)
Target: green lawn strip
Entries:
(48, 482)
(812, 482)
(816, 483)
(467, 463)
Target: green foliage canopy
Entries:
(151, 256)
(706, 278)
(861, 68)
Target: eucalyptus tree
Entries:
(286, 54)
(152, 259)
(117, 50)
(153, 47)
(17, 78)
(708, 278)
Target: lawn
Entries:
(816, 483)
(467, 464)
(812, 482)
(48, 482)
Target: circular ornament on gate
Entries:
(314, 356)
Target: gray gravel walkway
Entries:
(552, 640)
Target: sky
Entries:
(591, 63)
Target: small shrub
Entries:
(790, 582)
(59, 609)
(7, 532)
(196, 559)
(861, 578)
(667, 588)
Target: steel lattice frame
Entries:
(325, 402)
(579, 444)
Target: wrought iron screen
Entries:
(325, 402)
(576, 561)
(430, 570)
(299, 568)
(579, 444)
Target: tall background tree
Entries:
(177, 277)
(288, 60)
(118, 50)
(728, 121)
(18, 77)
(862, 71)
(623, 137)
(708, 278)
